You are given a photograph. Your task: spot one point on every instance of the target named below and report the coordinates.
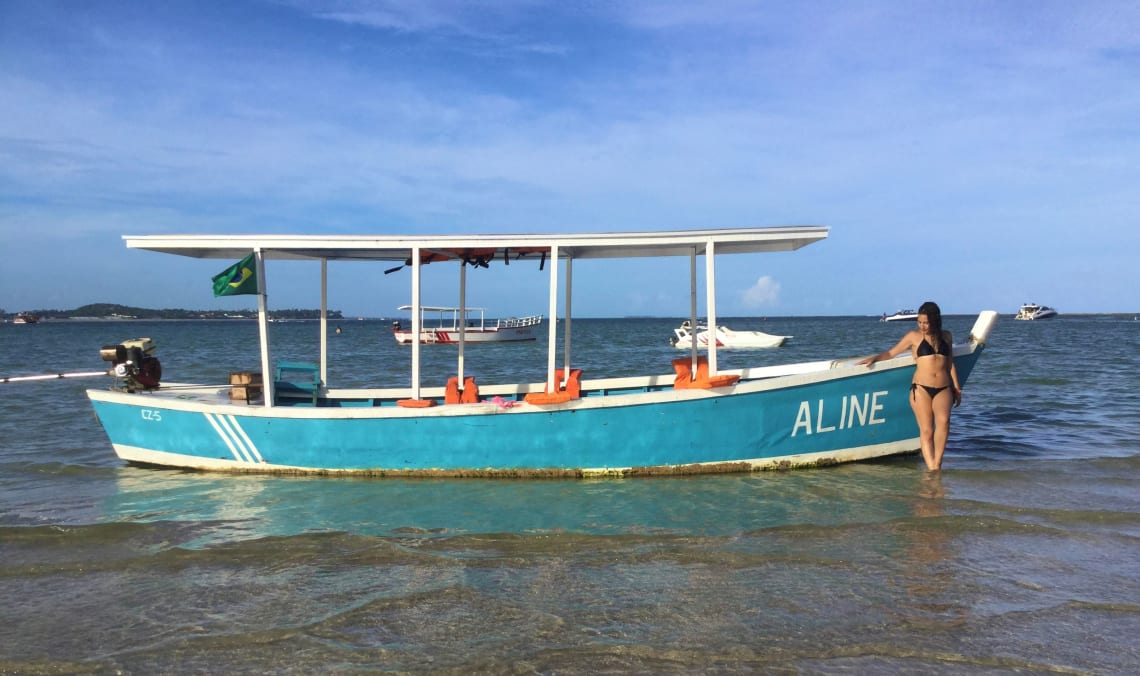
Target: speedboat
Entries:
(689, 417)
(448, 328)
(900, 316)
(1031, 311)
(724, 337)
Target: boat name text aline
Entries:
(850, 407)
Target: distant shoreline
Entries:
(728, 318)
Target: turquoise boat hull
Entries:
(843, 414)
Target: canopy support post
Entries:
(462, 317)
(566, 331)
(325, 322)
(693, 310)
(417, 320)
(263, 329)
(552, 332)
(710, 301)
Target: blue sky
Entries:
(979, 154)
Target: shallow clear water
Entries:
(1022, 555)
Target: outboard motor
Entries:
(134, 362)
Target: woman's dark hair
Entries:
(934, 316)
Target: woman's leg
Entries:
(924, 415)
(940, 407)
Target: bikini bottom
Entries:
(932, 391)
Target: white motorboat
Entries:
(900, 316)
(447, 327)
(1031, 311)
(724, 337)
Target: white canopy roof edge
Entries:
(397, 247)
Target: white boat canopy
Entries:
(397, 247)
(481, 250)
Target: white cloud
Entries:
(766, 291)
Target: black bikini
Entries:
(932, 391)
(925, 350)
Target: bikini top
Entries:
(925, 350)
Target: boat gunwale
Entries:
(596, 393)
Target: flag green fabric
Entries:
(240, 278)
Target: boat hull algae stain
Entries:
(632, 472)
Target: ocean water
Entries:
(1022, 556)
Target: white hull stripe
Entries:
(241, 440)
(217, 428)
(245, 437)
(234, 438)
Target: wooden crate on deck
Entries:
(245, 377)
(245, 385)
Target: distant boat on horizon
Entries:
(451, 322)
(1031, 311)
(723, 337)
(25, 318)
(899, 316)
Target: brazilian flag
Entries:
(240, 278)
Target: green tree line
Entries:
(114, 311)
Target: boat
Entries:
(724, 338)
(25, 318)
(449, 329)
(900, 316)
(688, 417)
(1031, 311)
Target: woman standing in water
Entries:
(935, 387)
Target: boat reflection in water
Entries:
(207, 509)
